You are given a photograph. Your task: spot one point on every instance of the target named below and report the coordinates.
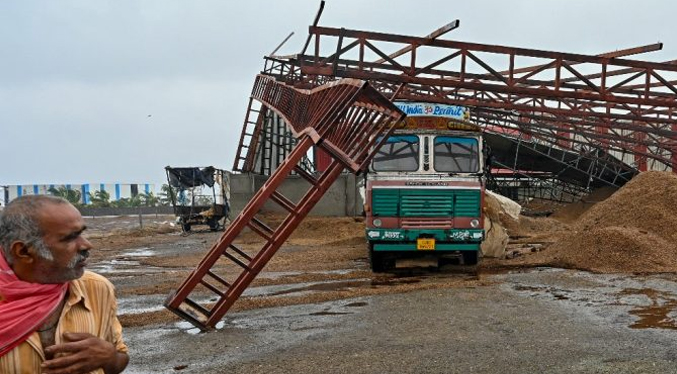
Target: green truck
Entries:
(425, 189)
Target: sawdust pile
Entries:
(571, 212)
(634, 230)
(530, 226)
(315, 230)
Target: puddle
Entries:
(146, 304)
(356, 304)
(304, 288)
(277, 274)
(140, 304)
(394, 281)
(522, 287)
(325, 286)
(282, 274)
(138, 252)
(650, 301)
(122, 262)
(124, 266)
(328, 313)
(654, 316)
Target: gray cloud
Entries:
(79, 78)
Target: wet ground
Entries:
(540, 320)
(318, 309)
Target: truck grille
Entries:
(392, 202)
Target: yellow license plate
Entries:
(425, 244)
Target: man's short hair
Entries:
(19, 222)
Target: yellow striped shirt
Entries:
(91, 308)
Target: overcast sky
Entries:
(98, 91)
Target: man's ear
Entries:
(21, 251)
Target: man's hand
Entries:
(84, 353)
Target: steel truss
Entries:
(620, 109)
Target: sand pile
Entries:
(634, 230)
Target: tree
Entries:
(100, 199)
(73, 196)
(123, 202)
(136, 201)
(166, 195)
(150, 199)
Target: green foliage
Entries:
(99, 199)
(73, 196)
(166, 195)
(142, 199)
(149, 199)
(123, 202)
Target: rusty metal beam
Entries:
(345, 119)
(614, 54)
(501, 50)
(625, 105)
(281, 44)
(433, 35)
(315, 22)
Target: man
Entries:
(55, 317)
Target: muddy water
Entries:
(660, 314)
(640, 301)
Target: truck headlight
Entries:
(475, 223)
(377, 222)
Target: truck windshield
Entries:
(456, 155)
(399, 153)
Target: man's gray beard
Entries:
(45, 253)
(74, 262)
(71, 272)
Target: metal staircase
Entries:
(344, 118)
(251, 132)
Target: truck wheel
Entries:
(470, 257)
(213, 224)
(376, 260)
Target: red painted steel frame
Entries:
(568, 100)
(344, 118)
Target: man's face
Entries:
(62, 227)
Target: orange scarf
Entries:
(24, 306)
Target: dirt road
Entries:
(539, 321)
(318, 309)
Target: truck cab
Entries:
(425, 189)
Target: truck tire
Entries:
(376, 260)
(213, 224)
(470, 257)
